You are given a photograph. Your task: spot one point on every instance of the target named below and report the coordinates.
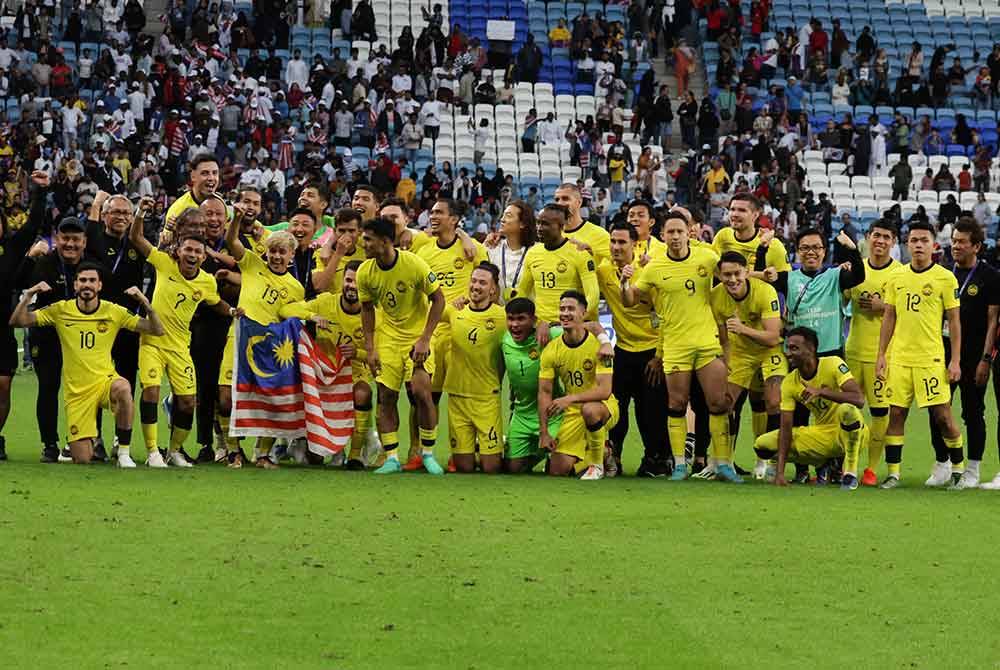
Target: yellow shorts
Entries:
(81, 408)
(815, 445)
(873, 387)
(360, 372)
(441, 346)
(226, 368)
(687, 359)
(475, 421)
(572, 439)
(750, 372)
(180, 370)
(929, 386)
(397, 366)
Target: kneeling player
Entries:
(338, 317)
(749, 319)
(87, 328)
(588, 405)
(472, 380)
(827, 389)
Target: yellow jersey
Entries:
(575, 366)
(760, 303)
(400, 293)
(175, 300)
(263, 293)
(726, 240)
(86, 340)
(598, 239)
(181, 204)
(831, 373)
(420, 240)
(450, 266)
(681, 293)
(634, 329)
(652, 247)
(921, 299)
(337, 283)
(549, 272)
(345, 328)
(258, 246)
(862, 340)
(474, 358)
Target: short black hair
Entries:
(644, 203)
(304, 211)
(382, 227)
(91, 265)
(202, 158)
(969, 226)
(367, 187)
(622, 225)
(520, 306)
(733, 257)
(923, 225)
(185, 236)
(345, 214)
(352, 266)
(320, 187)
(807, 232)
(455, 207)
(492, 269)
(393, 200)
(575, 295)
(563, 210)
(748, 197)
(808, 334)
(885, 224)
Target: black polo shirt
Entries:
(979, 287)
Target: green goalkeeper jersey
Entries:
(522, 361)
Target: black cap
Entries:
(71, 225)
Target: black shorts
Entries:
(8, 351)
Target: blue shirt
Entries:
(815, 302)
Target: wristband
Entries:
(603, 338)
(232, 312)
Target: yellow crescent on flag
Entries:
(251, 362)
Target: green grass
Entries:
(308, 568)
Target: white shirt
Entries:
(252, 177)
(86, 66)
(122, 62)
(72, 117)
(402, 82)
(277, 176)
(297, 72)
(510, 263)
(137, 104)
(6, 57)
(430, 113)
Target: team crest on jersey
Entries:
(928, 289)
(284, 292)
(358, 334)
(588, 365)
(102, 326)
(973, 290)
(401, 287)
(490, 324)
(533, 354)
(562, 267)
(459, 264)
(843, 368)
(197, 296)
(702, 272)
(590, 266)
(132, 255)
(774, 305)
(431, 278)
(74, 429)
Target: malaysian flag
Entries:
(286, 387)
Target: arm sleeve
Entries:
(47, 316)
(302, 309)
(843, 373)
(949, 296)
(591, 289)
(787, 396)
(428, 280)
(857, 273)
(546, 366)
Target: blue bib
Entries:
(815, 302)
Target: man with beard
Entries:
(204, 178)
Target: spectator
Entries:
(559, 36)
(902, 176)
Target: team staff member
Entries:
(591, 237)
(861, 349)
(338, 319)
(57, 269)
(749, 320)
(587, 402)
(305, 260)
(918, 298)
(181, 287)
(14, 247)
(86, 328)
(979, 293)
(266, 286)
(679, 285)
(108, 242)
(204, 177)
(834, 400)
(401, 286)
(638, 370)
(475, 371)
(554, 267)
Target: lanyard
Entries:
(503, 264)
(308, 264)
(968, 277)
(118, 257)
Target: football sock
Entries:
(718, 426)
(677, 430)
(182, 427)
(955, 452)
(147, 417)
(852, 436)
(124, 436)
(595, 444)
(232, 443)
(894, 453)
(876, 445)
(362, 417)
(428, 438)
(390, 444)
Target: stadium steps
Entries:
(698, 84)
(154, 9)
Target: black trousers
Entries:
(125, 354)
(702, 436)
(973, 416)
(47, 358)
(208, 341)
(628, 383)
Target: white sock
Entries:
(123, 451)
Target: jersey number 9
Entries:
(690, 286)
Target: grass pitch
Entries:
(308, 568)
